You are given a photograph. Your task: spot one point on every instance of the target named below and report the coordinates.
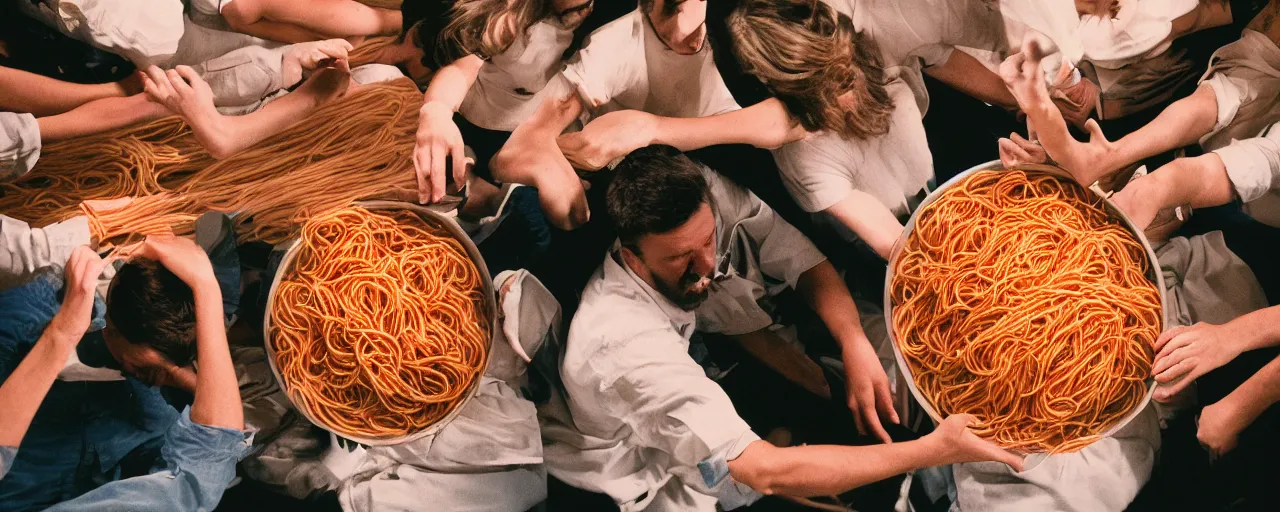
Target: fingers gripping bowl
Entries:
(1028, 301)
(379, 322)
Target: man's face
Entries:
(572, 13)
(142, 362)
(680, 262)
(686, 30)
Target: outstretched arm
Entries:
(438, 136)
(965, 74)
(43, 96)
(616, 134)
(99, 116)
(1200, 182)
(184, 93)
(868, 387)
(823, 470)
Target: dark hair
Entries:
(655, 189)
(151, 306)
(669, 9)
(809, 55)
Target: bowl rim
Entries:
(1153, 273)
(491, 313)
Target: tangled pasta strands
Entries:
(358, 147)
(378, 326)
(1019, 300)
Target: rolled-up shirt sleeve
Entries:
(7, 454)
(24, 249)
(668, 401)
(19, 144)
(199, 463)
(1253, 165)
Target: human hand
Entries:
(608, 138)
(181, 90)
(1184, 353)
(182, 257)
(301, 57)
(81, 273)
(1017, 150)
(328, 83)
(868, 390)
(438, 138)
(957, 444)
(1077, 101)
(1219, 426)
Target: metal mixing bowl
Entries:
(1153, 273)
(445, 226)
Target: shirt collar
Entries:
(617, 271)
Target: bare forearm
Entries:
(217, 397)
(871, 220)
(964, 73)
(450, 84)
(823, 470)
(99, 116)
(26, 387)
(1181, 124)
(1257, 329)
(764, 125)
(827, 294)
(1201, 182)
(1259, 393)
(242, 132)
(44, 96)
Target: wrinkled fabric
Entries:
(1140, 30)
(1245, 77)
(19, 145)
(1197, 271)
(24, 249)
(144, 31)
(509, 87)
(199, 461)
(823, 168)
(489, 457)
(1253, 166)
(624, 65)
(1105, 475)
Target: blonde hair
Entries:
(810, 56)
(485, 27)
(359, 147)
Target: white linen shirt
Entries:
(625, 65)
(19, 144)
(1253, 166)
(916, 34)
(641, 421)
(823, 168)
(509, 87)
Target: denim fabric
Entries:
(84, 434)
(199, 462)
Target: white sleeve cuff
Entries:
(1250, 167)
(1228, 98)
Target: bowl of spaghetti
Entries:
(1028, 301)
(379, 321)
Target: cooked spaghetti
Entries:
(1020, 300)
(378, 325)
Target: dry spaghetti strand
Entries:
(1018, 299)
(378, 326)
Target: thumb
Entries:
(1095, 131)
(1017, 462)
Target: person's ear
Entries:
(633, 261)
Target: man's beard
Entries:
(688, 293)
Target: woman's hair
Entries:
(482, 27)
(809, 55)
